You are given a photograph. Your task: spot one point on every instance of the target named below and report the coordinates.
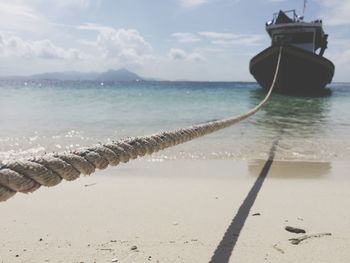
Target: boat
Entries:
(303, 69)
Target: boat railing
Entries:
(293, 17)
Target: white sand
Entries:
(178, 211)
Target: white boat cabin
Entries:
(285, 30)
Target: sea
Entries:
(39, 117)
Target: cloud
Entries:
(336, 12)
(20, 17)
(192, 3)
(56, 3)
(128, 46)
(213, 50)
(179, 54)
(219, 38)
(228, 39)
(13, 46)
(19, 11)
(95, 27)
(72, 3)
(196, 57)
(24, 16)
(217, 35)
(343, 58)
(184, 37)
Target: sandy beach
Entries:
(179, 211)
(228, 122)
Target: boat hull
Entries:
(300, 73)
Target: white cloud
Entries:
(179, 54)
(127, 46)
(336, 12)
(24, 16)
(213, 50)
(343, 59)
(219, 38)
(13, 46)
(196, 57)
(217, 35)
(228, 39)
(192, 3)
(72, 3)
(184, 37)
(19, 17)
(122, 40)
(56, 3)
(28, 16)
(339, 53)
(19, 11)
(95, 27)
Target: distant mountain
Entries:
(118, 75)
(71, 75)
(110, 75)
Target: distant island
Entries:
(110, 75)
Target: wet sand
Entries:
(179, 211)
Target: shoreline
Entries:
(178, 211)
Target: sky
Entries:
(205, 40)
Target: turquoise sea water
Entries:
(47, 116)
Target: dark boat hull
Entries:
(300, 73)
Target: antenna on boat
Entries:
(304, 8)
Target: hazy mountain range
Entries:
(110, 75)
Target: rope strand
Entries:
(27, 176)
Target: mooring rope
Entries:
(28, 175)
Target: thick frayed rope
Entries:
(26, 176)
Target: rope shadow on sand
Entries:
(225, 248)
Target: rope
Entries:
(27, 176)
